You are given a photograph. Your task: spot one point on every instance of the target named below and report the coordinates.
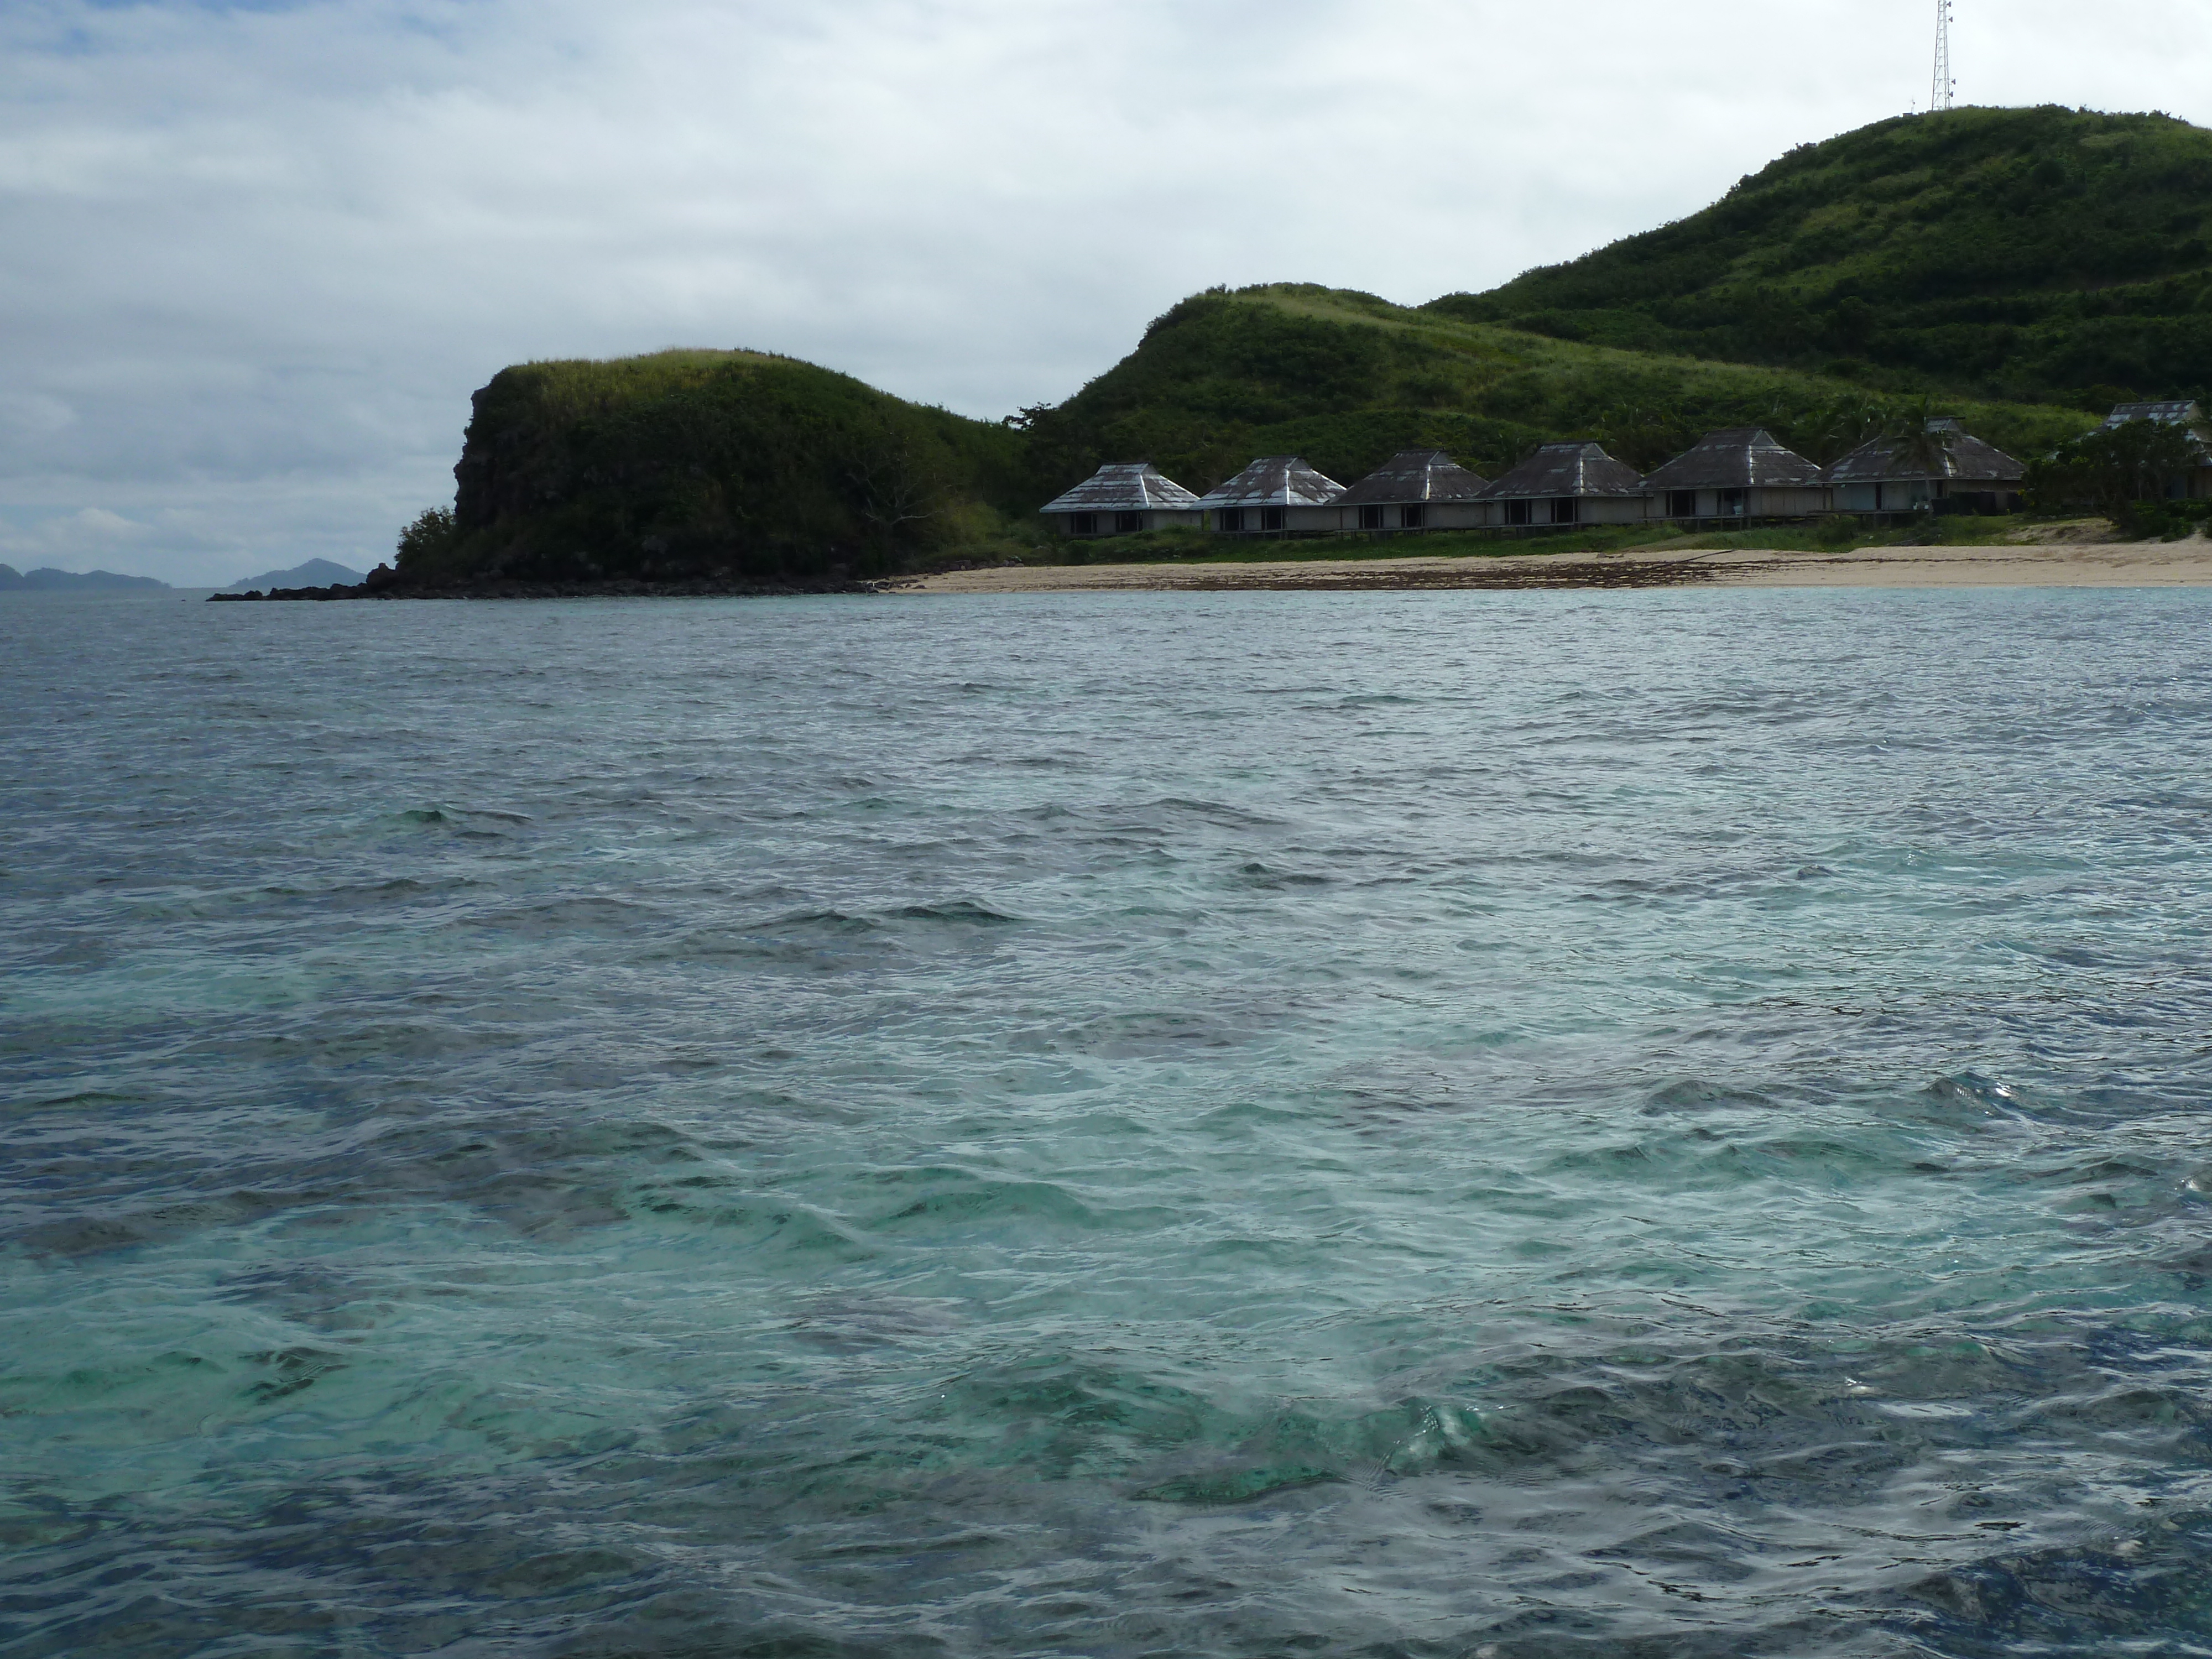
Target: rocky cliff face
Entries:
(720, 466)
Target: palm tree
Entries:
(1924, 443)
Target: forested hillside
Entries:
(2026, 253)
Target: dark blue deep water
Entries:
(1460, 1124)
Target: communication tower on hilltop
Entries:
(1940, 89)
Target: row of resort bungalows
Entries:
(1739, 473)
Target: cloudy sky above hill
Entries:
(257, 255)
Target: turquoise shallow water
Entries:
(1498, 1125)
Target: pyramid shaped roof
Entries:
(1125, 487)
(1568, 469)
(1414, 475)
(1964, 458)
(1735, 458)
(1275, 481)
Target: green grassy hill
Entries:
(728, 464)
(2034, 254)
(1345, 379)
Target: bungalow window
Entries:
(1371, 518)
(1271, 518)
(1732, 503)
(1412, 518)
(1681, 503)
(1231, 518)
(1128, 524)
(1083, 523)
(1517, 512)
(1564, 510)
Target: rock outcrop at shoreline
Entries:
(385, 583)
(706, 471)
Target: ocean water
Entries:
(1464, 1124)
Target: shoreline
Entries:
(2043, 564)
(2053, 561)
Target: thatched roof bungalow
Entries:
(1122, 498)
(1276, 495)
(1568, 483)
(1738, 472)
(1416, 489)
(1946, 463)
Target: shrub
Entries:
(425, 544)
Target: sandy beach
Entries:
(2055, 559)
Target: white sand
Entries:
(2053, 558)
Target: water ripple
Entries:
(1506, 1124)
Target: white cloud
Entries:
(258, 258)
(72, 539)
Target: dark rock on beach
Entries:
(385, 583)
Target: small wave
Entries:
(80, 1235)
(591, 915)
(1256, 874)
(959, 912)
(755, 1220)
(956, 1198)
(1210, 811)
(476, 821)
(1691, 1095)
(1973, 1094)
(289, 1372)
(807, 921)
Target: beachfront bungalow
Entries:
(1276, 496)
(1416, 489)
(1949, 465)
(1122, 498)
(1568, 483)
(2198, 485)
(1739, 472)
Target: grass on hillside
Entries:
(1346, 380)
(2043, 253)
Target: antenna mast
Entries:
(1940, 89)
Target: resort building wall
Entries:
(1536, 511)
(1417, 515)
(1078, 526)
(1788, 501)
(1265, 520)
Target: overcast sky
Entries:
(257, 255)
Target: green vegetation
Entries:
(2030, 254)
(2122, 472)
(2168, 521)
(709, 465)
(2014, 268)
(1346, 380)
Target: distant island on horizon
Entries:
(315, 573)
(49, 581)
